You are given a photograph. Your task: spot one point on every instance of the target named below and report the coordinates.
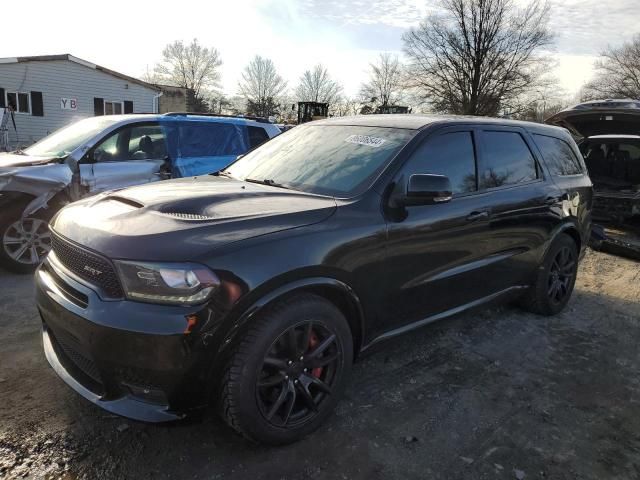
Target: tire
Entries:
(546, 296)
(261, 357)
(31, 234)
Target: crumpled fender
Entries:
(41, 182)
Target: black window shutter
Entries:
(98, 106)
(37, 107)
(128, 106)
(2, 104)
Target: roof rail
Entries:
(247, 117)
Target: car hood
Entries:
(8, 160)
(611, 117)
(185, 219)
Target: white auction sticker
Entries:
(367, 140)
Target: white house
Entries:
(49, 92)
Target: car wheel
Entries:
(25, 242)
(555, 279)
(288, 371)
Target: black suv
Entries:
(257, 287)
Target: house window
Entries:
(19, 101)
(113, 108)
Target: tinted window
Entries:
(507, 160)
(326, 159)
(450, 154)
(211, 139)
(257, 136)
(558, 155)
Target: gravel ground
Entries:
(491, 394)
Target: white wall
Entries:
(58, 79)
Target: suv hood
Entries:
(20, 160)
(182, 219)
(606, 117)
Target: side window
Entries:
(147, 142)
(558, 155)
(507, 160)
(107, 150)
(257, 136)
(211, 139)
(451, 154)
(138, 142)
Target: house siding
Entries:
(58, 79)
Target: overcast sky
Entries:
(345, 35)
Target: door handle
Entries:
(478, 215)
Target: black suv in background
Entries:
(257, 287)
(609, 139)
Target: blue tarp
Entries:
(199, 147)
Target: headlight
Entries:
(172, 283)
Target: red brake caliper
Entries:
(313, 341)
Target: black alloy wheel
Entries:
(298, 373)
(561, 275)
(288, 370)
(555, 278)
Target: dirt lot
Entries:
(495, 394)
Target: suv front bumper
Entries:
(151, 370)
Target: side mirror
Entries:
(427, 189)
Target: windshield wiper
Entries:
(269, 182)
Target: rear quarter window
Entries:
(558, 155)
(257, 136)
(507, 160)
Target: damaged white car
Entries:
(106, 153)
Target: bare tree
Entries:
(476, 55)
(190, 66)
(541, 103)
(617, 73)
(317, 86)
(262, 87)
(150, 76)
(345, 106)
(385, 85)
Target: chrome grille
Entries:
(87, 265)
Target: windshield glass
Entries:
(67, 139)
(334, 160)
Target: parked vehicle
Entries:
(259, 286)
(105, 153)
(609, 139)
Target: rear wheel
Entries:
(25, 241)
(290, 369)
(555, 279)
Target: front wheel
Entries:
(555, 278)
(288, 372)
(25, 242)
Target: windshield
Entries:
(334, 160)
(67, 139)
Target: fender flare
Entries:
(570, 229)
(301, 284)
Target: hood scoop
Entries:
(188, 216)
